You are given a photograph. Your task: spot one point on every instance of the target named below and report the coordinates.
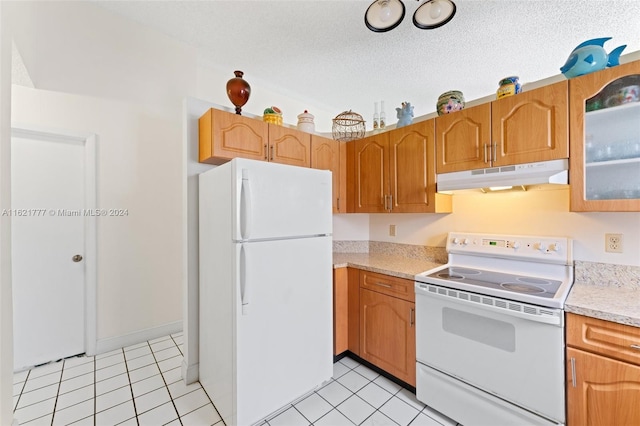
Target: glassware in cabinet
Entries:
(605, 140)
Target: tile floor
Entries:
(136, 385)
(141, 385)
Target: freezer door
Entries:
(284, 324)
(273, 201)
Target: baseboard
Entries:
(189, 372)
(112, 343)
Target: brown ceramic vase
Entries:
(238, 91)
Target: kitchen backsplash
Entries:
(342, 246)
(436, 254)
(607, 275)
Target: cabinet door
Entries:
(371, 174)
(354, 310)
(412, 168)
(289, 146)
(387, 334)
(223, 136)
(606, 392)
(531, 126)
(327, 154)
(463, 138)
(340, 311)
(604, 167)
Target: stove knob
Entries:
(538, 246)
(554, 247)
(515, 245)
(455, 241)
(465, 241)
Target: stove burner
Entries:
(535, 281)
(522, 288)
(448, 276)
(466, 271)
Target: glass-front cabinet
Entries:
(605, 139)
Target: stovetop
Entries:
(529, 269)
(540, 287)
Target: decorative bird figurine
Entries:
(405, 114)
(590, 56)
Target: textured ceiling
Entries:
(321, 51)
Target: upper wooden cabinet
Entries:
(603, 372)
(462, 139)
(604, 167)
(289, 146)
(525, 128)
(223, 136)
(368, 181)
(329, 154)
(395, 172)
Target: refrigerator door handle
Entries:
(245, 206)
(244, 290)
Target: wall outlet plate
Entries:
(392, 230)
(613, 243)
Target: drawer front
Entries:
(606, 338)
(386, 284)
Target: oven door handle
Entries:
(422, 290)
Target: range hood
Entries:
(554, 171)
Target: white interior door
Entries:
(47, 187)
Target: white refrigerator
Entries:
(266, 293)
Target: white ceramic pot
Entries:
(305, 122)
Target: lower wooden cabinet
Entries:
(340, 311)
(603, 373)
(603, 392)
(387, 334)
(354, 310)
(374, 318)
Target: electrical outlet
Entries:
(613, 243)
(392, 230)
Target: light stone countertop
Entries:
(384, 263)
(600, 290)
(605, 291)
(621, 305)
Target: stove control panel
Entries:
(526, 247)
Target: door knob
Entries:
(77, 258)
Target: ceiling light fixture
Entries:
(384, 15)
(433, 14)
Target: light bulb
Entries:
(385, 11)
(436, 9)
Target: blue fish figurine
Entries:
(405, 114)
(590, 56)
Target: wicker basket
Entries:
(348, 126)
(272, 118)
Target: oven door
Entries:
(512, 351)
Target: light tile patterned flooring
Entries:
(358, 395)
(136, 385)
(141, 385)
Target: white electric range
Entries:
(490, 329)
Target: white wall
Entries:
(138, 265)
(126, 83)
(352, 226)
(541, 212)
(6, 302)
(212, 85)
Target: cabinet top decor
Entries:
(348, 126)
(590, 56)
